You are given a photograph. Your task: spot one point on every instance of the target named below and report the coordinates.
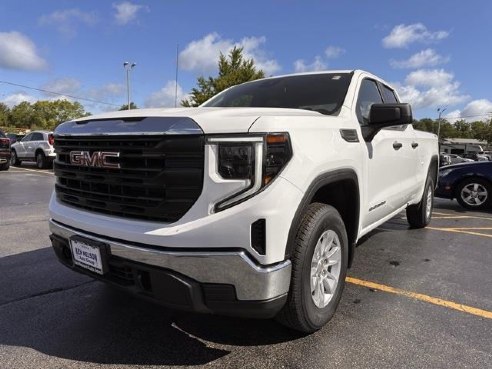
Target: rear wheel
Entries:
(41, 161)
(319, 268)
(5, 166)
(419, 215)
(474, 194)
(14, 160)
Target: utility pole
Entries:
(440, 111)
(128, 67)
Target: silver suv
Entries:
(36, 146)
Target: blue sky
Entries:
(437, 53)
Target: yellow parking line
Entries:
(461, 230)
(454, 216)
(426, 298)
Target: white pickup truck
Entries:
(249, 205)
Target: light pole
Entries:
(440, 111)
(128, 67)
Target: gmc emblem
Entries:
(98, 159)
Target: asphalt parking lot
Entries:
(414, 299)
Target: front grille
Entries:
(159, 179)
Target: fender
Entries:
(319, 182)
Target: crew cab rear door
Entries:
(389, 161)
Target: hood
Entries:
(466, 164)
(210, 120)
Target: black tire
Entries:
(420, 215)
(14, 160)
(483, 199)
(300, 311)
(41, 161)
(5, 166)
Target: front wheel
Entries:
(5, 166)
(474, 194)
(14, 160)
(319, 268)
(419, 215)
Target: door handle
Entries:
(397, 145)
(414, 145)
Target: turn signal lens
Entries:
(278, 154)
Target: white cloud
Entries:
(429, 77)
(300, 66)
(66, 21)
(333, 52)
(67, 86)
(17, 98)
(424, 58)
(430, 88)
(475, 110)
(202, 55)
(127, 12)
(403, 35)
(107, 92)
(19, 52)
(165, 97)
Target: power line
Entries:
(58, 93)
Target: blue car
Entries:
(469, 183)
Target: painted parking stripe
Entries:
(463, 230)
(421, 297)
(454, 216)
(31, 170)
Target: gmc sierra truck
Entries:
(249, 205)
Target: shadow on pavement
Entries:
(48, 308)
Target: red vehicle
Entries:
(4, 151)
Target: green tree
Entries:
(22, 115)
(48, 114)
(233, 70)
(4, 115)
(45, 114)
(462, 129)
(125, 106)
(482, 130)
(426, 124)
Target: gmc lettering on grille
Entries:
(98, 159)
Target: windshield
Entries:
(323, 93)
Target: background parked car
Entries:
(14, 137)
(456, 159)
(444, 159)
(475, 156)
(469, 183)
(4, 151)
(37, 146)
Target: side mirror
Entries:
(386, 115)
(390, 114)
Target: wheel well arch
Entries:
(340, 189)
(38, 150)
(434, 169)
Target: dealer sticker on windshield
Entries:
(86, 256)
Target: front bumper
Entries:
(224, 282)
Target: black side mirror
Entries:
(386, 115)
(390, 114)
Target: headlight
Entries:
(250, 162)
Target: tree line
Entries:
(233, 69)
(40, 115)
